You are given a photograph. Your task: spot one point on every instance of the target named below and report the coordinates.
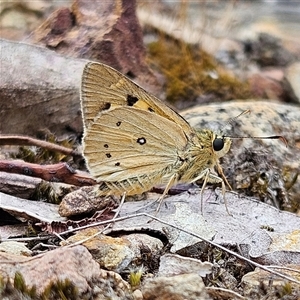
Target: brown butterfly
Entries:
(133, 141)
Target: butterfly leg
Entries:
(220, 171)
(171, 182)
(212, 178)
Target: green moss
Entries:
(286, 289)
(191, 72)
(20, 285)
(58, 290)
(135, 277)
(61, 289)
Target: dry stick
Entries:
(29, 141)
(44, 172)
(192, 234)
(60, 172)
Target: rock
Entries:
(75, 264)
(15, 248)
(268, 51)
(292, 76)
(264, 86)
(180, 287)
(19, 185)
(117, 253)
(172, 264)
(110, 253)
(253, 282)
(85, 200)
(45, 96)
(108, 32)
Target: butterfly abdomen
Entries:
(132, 186)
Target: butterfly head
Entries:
(220, 145)
(210, 142)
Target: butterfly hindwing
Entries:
(127, 142)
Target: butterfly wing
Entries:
(126, 142)
(105, 88)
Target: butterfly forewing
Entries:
(105, 88)
(127, 142)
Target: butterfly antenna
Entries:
(273, 137)
(232, 120)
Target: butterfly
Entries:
(133, 141)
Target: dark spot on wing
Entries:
(117, 164)
(150, 109)
(108, 155)
(131, 100)
(106, 106)
(118, 123)
(141, 141)
(105, 146)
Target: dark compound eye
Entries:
(218, 144)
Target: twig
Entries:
(60, 172)
(30, 141)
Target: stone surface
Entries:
(85, 200)
(252, 281)
(172, 264)
(75, 264)
(15, 248)
(292, 76)
(180, 287)
(106, 31)
(117, 253)
(45, 96)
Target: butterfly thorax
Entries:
(201, 155)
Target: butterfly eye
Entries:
(218, 144)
